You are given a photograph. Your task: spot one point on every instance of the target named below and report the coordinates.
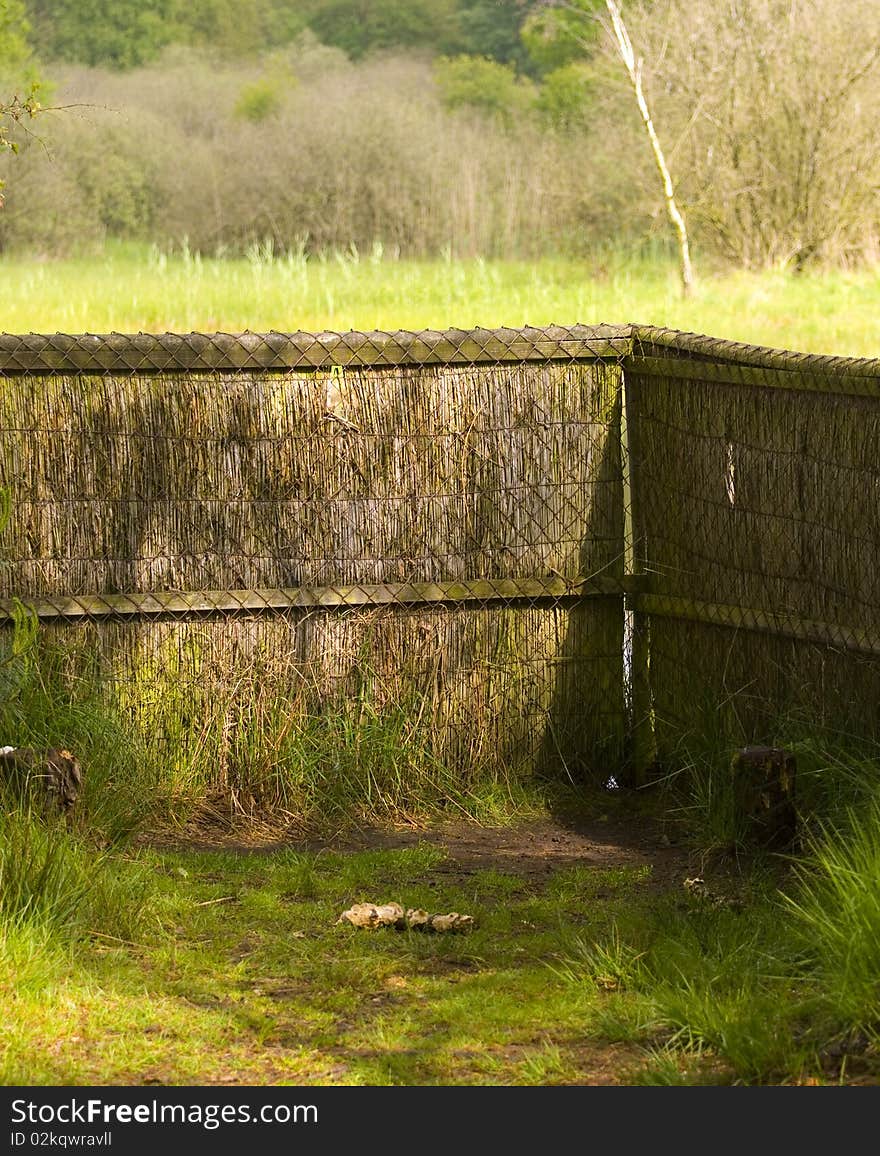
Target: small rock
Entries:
(372, 915)
(417, 919)
(698, 890)
(452, 922)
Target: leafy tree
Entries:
(477, 82)
(556, 32)
(238, 27)
(362, 26)
(16, 68)
(259, 101)
(126, 33)
(492, 28)
(567, 96)
(16, 57)
(118, 33)
(17, 108)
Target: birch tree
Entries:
(575, 21)
(633, 65)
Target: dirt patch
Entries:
(533, 849)
(530, 849)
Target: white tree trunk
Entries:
(633, 67)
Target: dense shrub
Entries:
(307, 150)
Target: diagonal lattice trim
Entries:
(650, 341)
(476, 590)
(202, 352)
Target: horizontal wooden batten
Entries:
(730, 373)
(145, 353)
(484, 591)
(655, 341)
(849, 638)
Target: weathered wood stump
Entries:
(49, 778)
(764, 795)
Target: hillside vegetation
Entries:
(469, 127)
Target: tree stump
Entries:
(764, 795)
(50, 779)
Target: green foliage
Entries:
(15, 110)
(258, 101)
(484, 85)
(716, 986)
(837, 913)
(121, 192)
(56, 881)
(17, 68)
(566, 97)
(238, 27)
(55, 875)
(115, 33)
(16, 56)
(610, 964)
(125, 33)
(350, 154)
(492, 28)
(362, 26)
(557, 34)
(41, 878)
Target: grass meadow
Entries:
(136, 288)
(131, 959)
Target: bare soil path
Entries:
(531, 849)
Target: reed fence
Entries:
(757, 473)
(551, 551)
(245, 537)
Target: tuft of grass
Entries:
(612, 964)
(698, 986)
(670, 1067)
(54, 880)
(748, 1027)
(42, 879)
(836, 912)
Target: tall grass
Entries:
(41, 877)
(129, 288)
(772, 976)
(54, 697)
(58, 883)
(158, 748)
(263, 758)
(57, 877)
(838, 776)
(836, 913)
